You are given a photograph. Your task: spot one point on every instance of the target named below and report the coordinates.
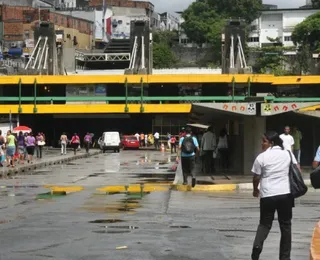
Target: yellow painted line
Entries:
(96, 108)
(66, 189)
(208, 188)
(134, 188)
(296, 80)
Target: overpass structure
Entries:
(247, 104)
(49, 94)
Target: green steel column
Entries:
(19, 108)
(233, 86)
(141, 107)
(35, 110)
(126, 108)
(249, 87)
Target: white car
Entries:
(110, 141)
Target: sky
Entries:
(180, 5)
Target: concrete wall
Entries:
(84, 40)
(197, 57)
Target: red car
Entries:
(129, 141)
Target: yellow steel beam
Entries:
(312, 108)
(96, 108)
(174, 78)
(296, 80)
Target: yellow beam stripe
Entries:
(96, 108)
(296, 80)
(312, 108)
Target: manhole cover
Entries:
(102, 221)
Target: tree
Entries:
(308, 33)
(315, 3)
(163, 57)
(248, 10)
(204, 20)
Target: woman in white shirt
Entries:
(271, 169)
(223, 149)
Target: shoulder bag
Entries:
(297, 186)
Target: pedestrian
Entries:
(75, 143)
(87, 141)
(63, 143)
(223, 149)
(30, 146)
(208, 146)
(287, 139)
(10, 148)
(271, 171)
(2, 146)
(173, 141)
(142, 137)
(187, 146)
(297, 137)
(40, 142)
(169, 140)
(156, 140)
(145, 140)
(21, 146)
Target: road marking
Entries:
(208, 188)
(66, 189)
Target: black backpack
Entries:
(188, 146)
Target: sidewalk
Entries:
(50, 157)
(223, 182)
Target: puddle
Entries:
(205, 183)
(180, 227)
(49, 195)
(97, 174)
(111, 231)
(122, 227)
(105, 221)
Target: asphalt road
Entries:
(164, 225)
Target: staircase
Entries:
(118, 46)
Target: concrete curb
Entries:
(54, 161)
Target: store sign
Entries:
(237, 108)
(270, 109)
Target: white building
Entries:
(169, 22)
(276, 23)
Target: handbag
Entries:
(41, 143)
(315, 178)
(297, 186)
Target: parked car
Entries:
(110, 141)
(129, 141)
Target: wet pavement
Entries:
(137, 222)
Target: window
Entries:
(253, 39)
(287, 39)
(26, 34)
(184, 41)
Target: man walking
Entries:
(187, 146)
(156, 140)
(287, 139)
(297, 137)
(208, 145)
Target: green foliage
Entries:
(165, 37)
(204, 20)
(244, 9)
(163, 57)
(270, 60)
(308, 32)
(315, 3)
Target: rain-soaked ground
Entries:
(137, 223)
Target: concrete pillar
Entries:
(254, 128)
